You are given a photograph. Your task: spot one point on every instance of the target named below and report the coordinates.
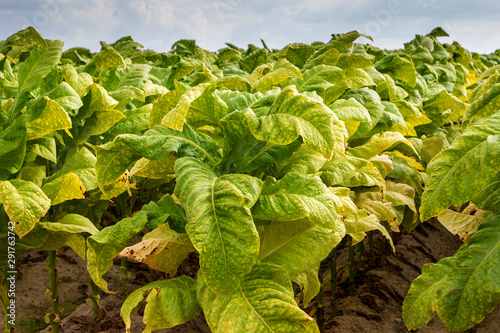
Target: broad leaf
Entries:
(461, 289)
(71, 223)
(378, 144)
(220, 223)
(298, 245)
(169, 303)
(109, 242)
(462, 171)
(24, 202)
(31, 72)
(263, 303)
(293, 115)
(297, 197)
(309, 283)
(162, 249)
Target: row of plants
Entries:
(261, 161)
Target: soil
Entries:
(374, 307)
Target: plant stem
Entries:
(95, 304)
(372, 252)
(54, 298)
(333, 280)
(384, 250)
(124, 277)
(351, 269)
(320, 315)
(361, 248)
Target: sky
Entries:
(157, 24)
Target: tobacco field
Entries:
(253, 188)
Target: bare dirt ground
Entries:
(375, 306)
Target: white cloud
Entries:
(154, 12)
(96, 13)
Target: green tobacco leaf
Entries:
(298, 245)
(370, 200)
(44, 147)
(52, 117)
(163, 168)
(81, 164)
(97, 99)
(327, 55)
(108, 57)
(12, 148)
(33, 173)
(378, 144)
(127, 82)
(297, 53)
(57, 240)
(78, 81)
(357, 78)
(99, 113)
(207, 109)
(351, 112)
(159, 212)
(424, 292)
(220, 222)
(24, 202)
(162, 249)
(462, 171)
(489, 198)
(234, 83)
(357, 225)
(162, 106)
(462, 289)
(263, 303)
(442, 102)
(354, 60)
(464, 224)
(31, 72)
(115, 157)
(282, 70)
(136, 121)
(109, 242)
(319, 79)
(253, 60)
(343, 201)
(486, 105)
(340, 169)
(71, 223)
(309, 283)
(65, 96)
(169, 303)
(304, 161)
(66, 187)
(297, 197)
(176, 117)
(293, 115)
(399, 67)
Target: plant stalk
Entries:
(372, 252)
(351, 269)
(361, 248)
(333, 280)
(320, 315)
(383, 250)
(54, 297)
(95, 305)
(124, 277)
